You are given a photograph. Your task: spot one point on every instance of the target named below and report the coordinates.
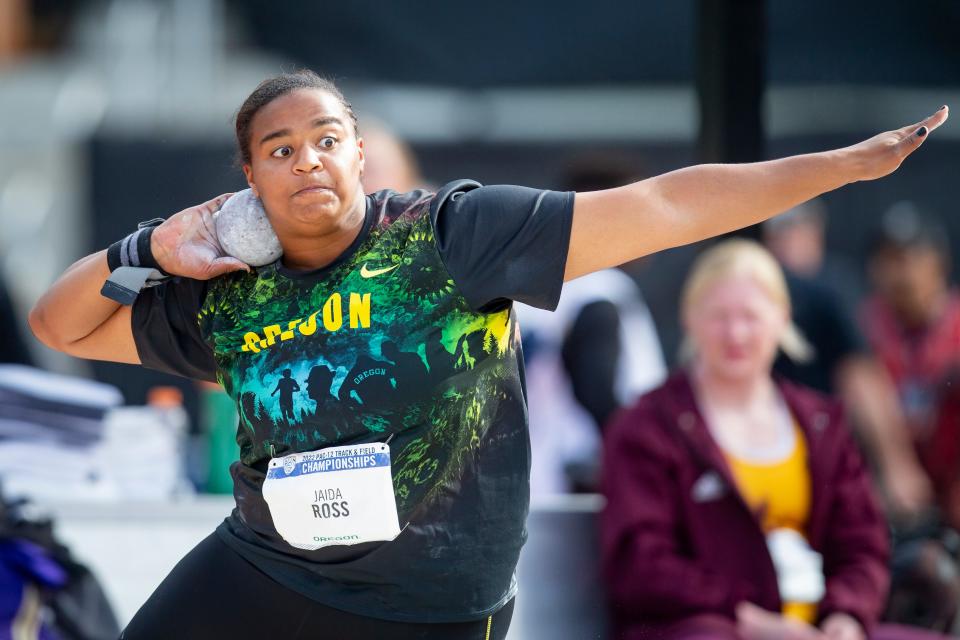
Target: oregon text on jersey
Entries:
(358, 310)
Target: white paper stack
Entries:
(50, 428)
(66, 439)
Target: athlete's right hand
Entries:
(186, 244)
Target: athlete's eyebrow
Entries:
(316, 124)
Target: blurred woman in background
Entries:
(737, 504)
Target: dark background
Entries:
(604, 43)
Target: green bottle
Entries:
(218, 414)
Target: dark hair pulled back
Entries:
(271, 89)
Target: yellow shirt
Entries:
(780, 494)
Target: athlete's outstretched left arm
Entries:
(614, 226)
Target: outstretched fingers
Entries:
(915, 134)
(938, 118)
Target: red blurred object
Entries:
(165, 397)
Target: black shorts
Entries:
(214, 593)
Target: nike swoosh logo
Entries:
(368, 273)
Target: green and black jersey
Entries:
(410, 335)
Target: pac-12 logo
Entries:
(289, 464)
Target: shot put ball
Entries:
(245, 232)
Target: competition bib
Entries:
(335, 496)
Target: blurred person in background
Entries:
(390, 162)
(596, 352)
(798, 240)
(913, 324)
(737, 504)
(824, 293)
(444, 270)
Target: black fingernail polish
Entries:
(942, 108)
(922, 131)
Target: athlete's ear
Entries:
(248, 173)
(361, 155)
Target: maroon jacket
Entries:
(678, 540)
